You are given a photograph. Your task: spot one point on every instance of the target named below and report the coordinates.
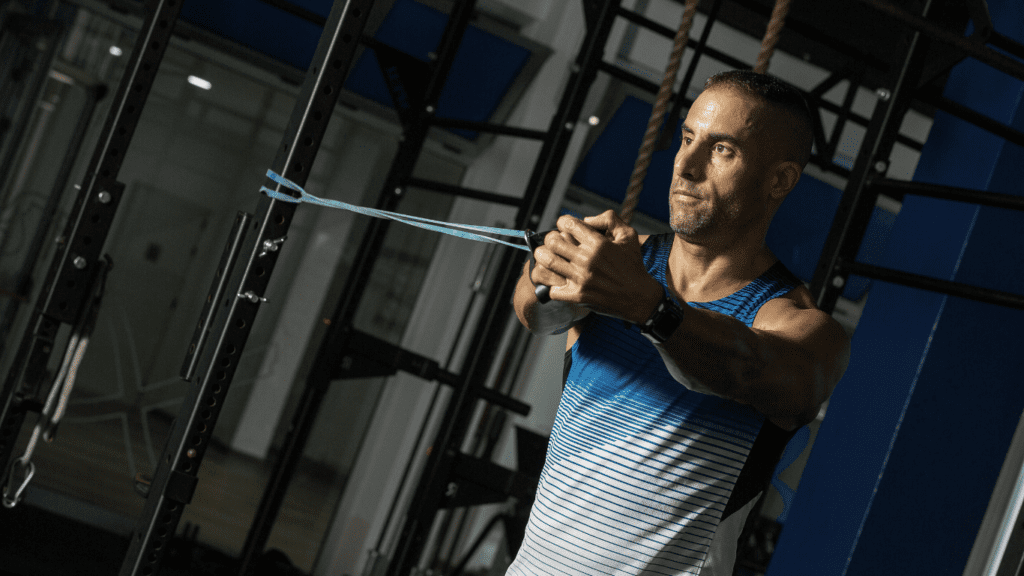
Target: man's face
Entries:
(719, 174)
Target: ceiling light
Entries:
(594, 120)
(199, 82)
(64, 78)
(116, 50)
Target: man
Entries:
(694, 355)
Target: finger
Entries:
(577, 230)
(543, 275)
(612, 226)
(555, 236)
(565, 293)
(603, 222)
(562, 246)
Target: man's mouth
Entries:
(688, 192)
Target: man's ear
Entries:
(784, 178)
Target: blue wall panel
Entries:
(261, 27)
(606, 168)
(904, 464)
(482, 73)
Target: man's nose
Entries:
(689, 165)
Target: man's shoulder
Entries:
(796, 311)
(798, 300)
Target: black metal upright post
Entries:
(23, 280)
(867, 180)
(416, 108)
(858, 199)
(69, 280)
(228, 319)
(29, 43)
(433, 486)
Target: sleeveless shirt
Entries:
(640, 470)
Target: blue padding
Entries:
(800, 227)
(607, 166)
(959, 421)
(483, 71)
(904, 464)
(261, 27)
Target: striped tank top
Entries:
(641, 471)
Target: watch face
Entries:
(666, 318)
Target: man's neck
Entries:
(702, 273)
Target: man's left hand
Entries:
(603, 269)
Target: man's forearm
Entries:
(676, 372)
(780, 378)
(722, 354)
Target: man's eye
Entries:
(722, 149)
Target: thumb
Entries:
(612, 226)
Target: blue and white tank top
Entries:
(640, 470)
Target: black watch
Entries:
(663, 321)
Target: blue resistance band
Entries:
(467, 231)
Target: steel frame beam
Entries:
(858, 200)
(812, 33)
(416, 110)
(970, 47)
(898, 188)
(965, 113)
(23, 280)
(432, 491)
(958, 289)
(462, 191)
(369, 356)
(838, 259)
(68, 283)
(814, 97)
(228, 322)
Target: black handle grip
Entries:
(543, 293)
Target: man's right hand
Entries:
(552, 317)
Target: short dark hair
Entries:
(779, 96)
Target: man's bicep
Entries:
(808, 333)
(822, 337)
(810, 350)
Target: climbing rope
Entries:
(771, 35)
(643, 160)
